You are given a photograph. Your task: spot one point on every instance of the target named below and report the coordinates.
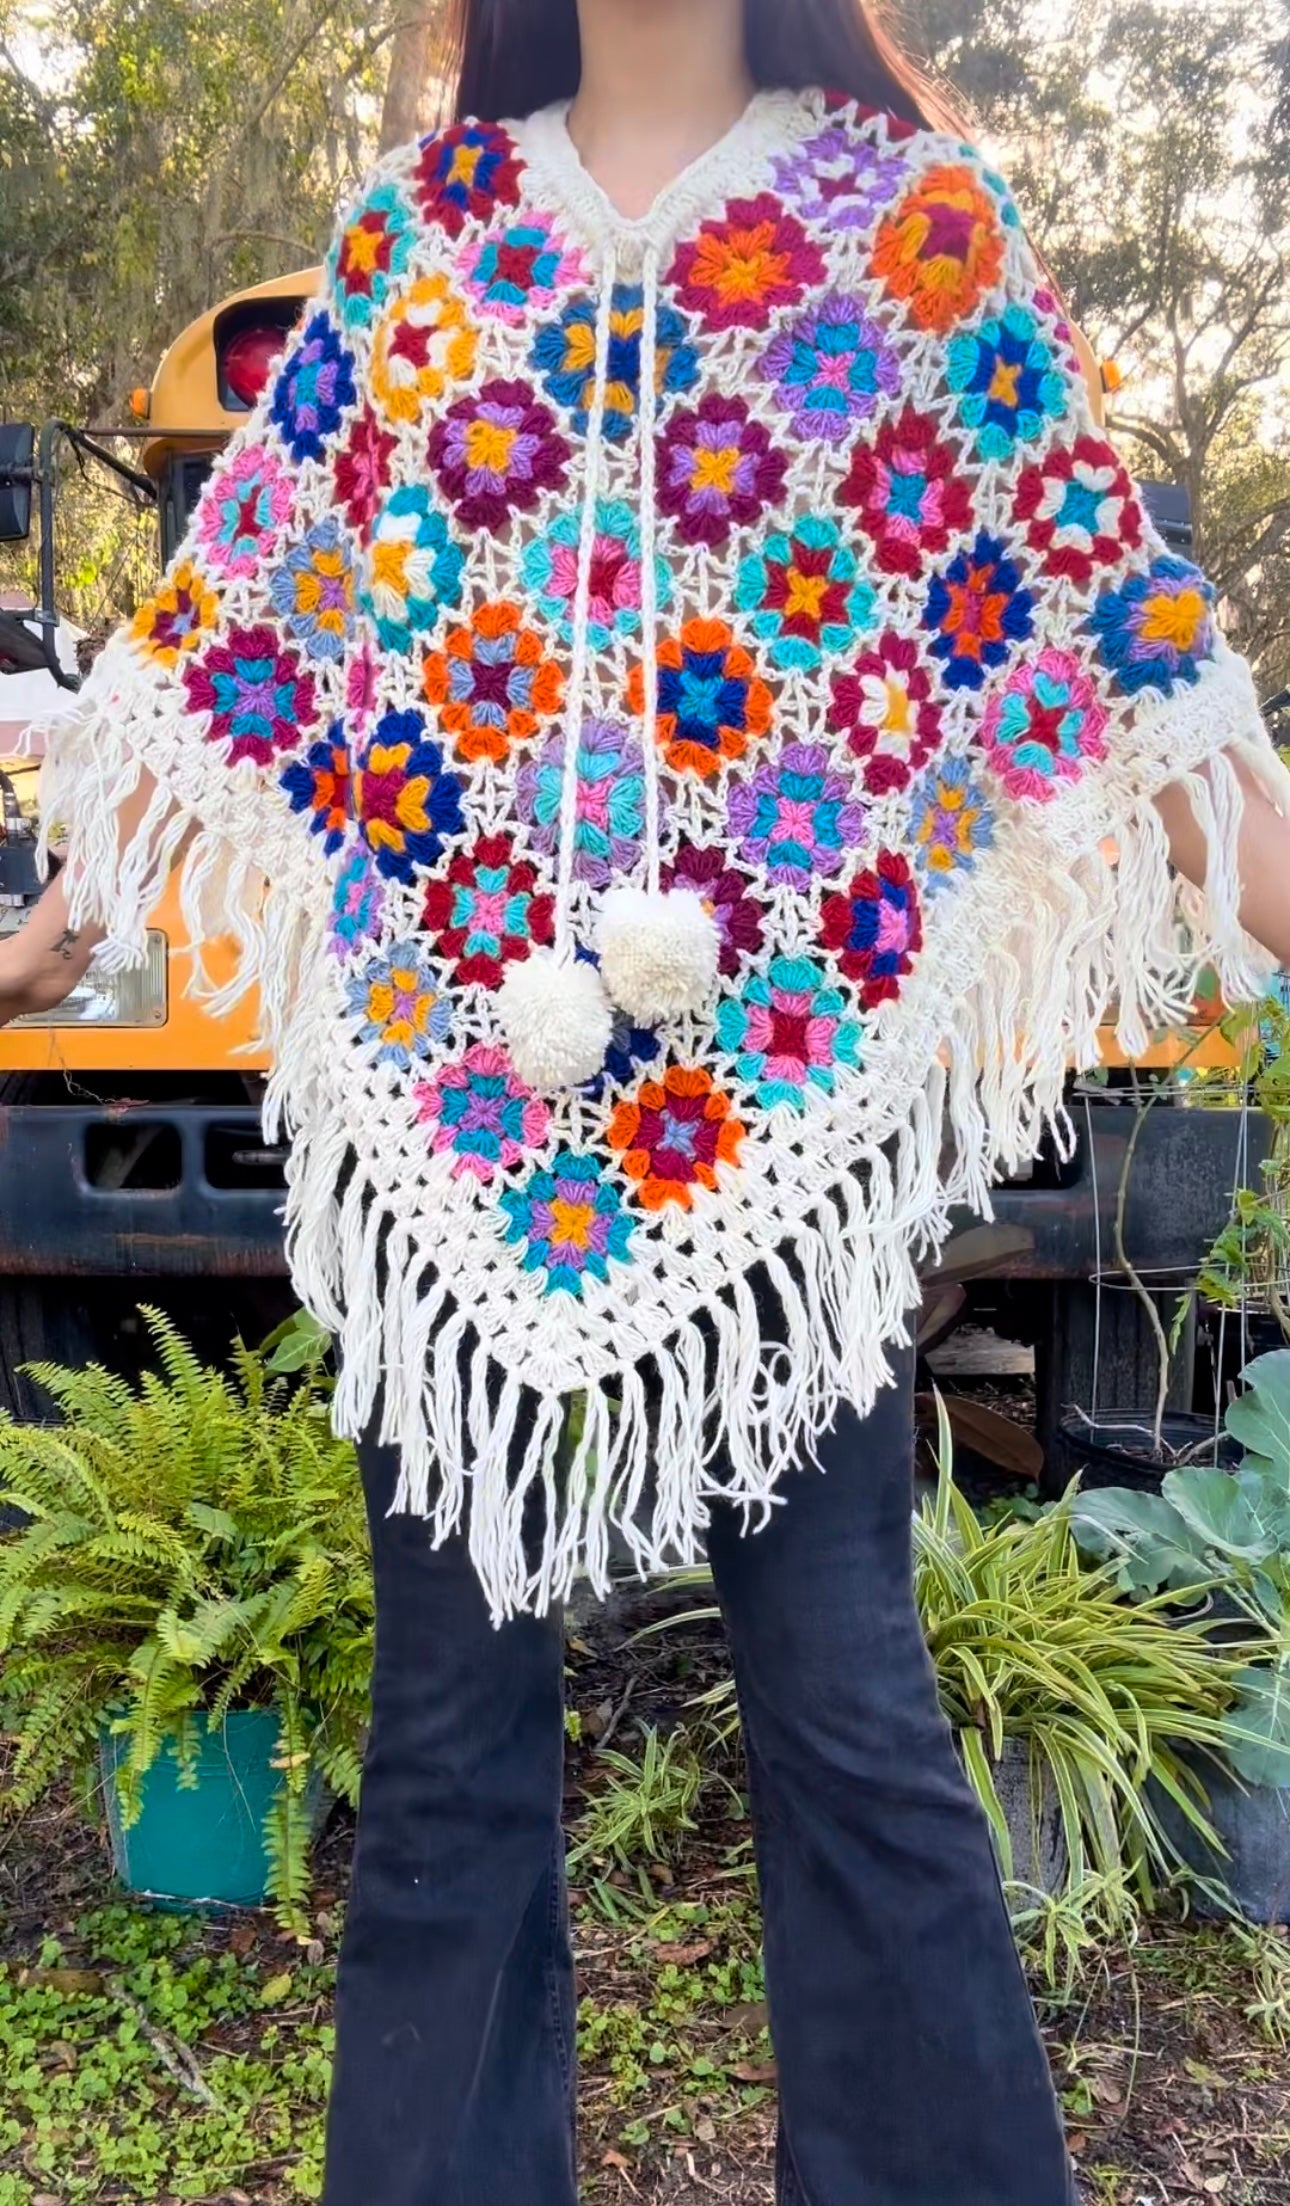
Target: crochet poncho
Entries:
(669, 711)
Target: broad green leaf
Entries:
(1260, 1418)
(1258, 1728)
(1148, 1541)
(1216, 1509)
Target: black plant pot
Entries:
(1119, 1450)
(1253, 1822)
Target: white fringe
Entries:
(963, 1076)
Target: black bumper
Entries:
(192, 1191)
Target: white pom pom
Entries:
(658, 953)
(557, 1019)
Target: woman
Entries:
(688, 724)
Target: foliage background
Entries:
(156, 155)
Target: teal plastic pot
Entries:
(204, 1845)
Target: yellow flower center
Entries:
(489, 445)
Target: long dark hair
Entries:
(517, 55)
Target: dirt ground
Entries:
(1175, 2085)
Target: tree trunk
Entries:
(413, 48)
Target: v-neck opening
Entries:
(771, 119)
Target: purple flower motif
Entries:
(717, 469)
(797, 818)
(611, 801)
(830, 367)
(840, 180)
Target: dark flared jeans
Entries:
(911, 2072)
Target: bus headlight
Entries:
(136, 998)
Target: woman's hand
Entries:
(42, 963)
(1263, 859)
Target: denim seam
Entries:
(564, 2051)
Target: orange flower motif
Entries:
(711, 699)
(177, 617)
(673, 1135)
(491, 684)
(942, 248)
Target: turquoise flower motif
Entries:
(371, 253)
(1008, 380)
(550, 566)
(804, 595)
(789, 1030)
(413, 568)
(570, 1222)
(356, 907)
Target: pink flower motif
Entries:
(482, 1114)
(360, 689)
(243, 511)
(1044, 727)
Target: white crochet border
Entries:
(1073, 915)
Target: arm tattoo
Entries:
(66, 942)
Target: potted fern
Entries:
(188, 1612)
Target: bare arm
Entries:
(1263, 858)
(42, 963)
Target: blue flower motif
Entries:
(399, 1006)
(978, 611)
(570, 1222)
(319, 783)
(356, 905)
(1009, 381)
(564, 354)
(951, 822)
(403, 800)
(1156, 628)
(312, 592)
(315, 385)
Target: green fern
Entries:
(195, 1543)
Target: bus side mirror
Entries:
(17, 473)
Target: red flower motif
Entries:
(258, 700)
(885, 709)
(875, 928)
(496, 451)
(726, 893)
(755, 258)
(486, 912)
(466, 172)
(1080, 508)
(363, 471)
(673, 1135)
(909, 491)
